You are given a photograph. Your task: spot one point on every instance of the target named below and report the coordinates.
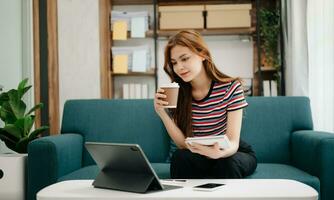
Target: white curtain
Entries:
(320, 30)
(295, 42)
(308, 27)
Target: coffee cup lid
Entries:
(170, 85)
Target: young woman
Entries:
(209, 103)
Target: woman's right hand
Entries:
(159, 102)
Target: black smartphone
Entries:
(208, 186)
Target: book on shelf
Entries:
(119, 30)
(266, 88)
(138, 27)
(120, 64)
(273, 88)
(125, 88)
(144, 91)
(139, 60)
(137, 91)
(131, 91)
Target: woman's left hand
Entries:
(213, 151)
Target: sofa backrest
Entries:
(120, 121)
(268, 123)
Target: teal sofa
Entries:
(279, 129)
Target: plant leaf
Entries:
(38, 131)
(22, 92)
(3, 98)
(20, 125)
(28, 123)
(22, 88)
(38, 106)
(7, 135)
(16, 104)
(13, 130)
(22, 84)
(6, 114)
(8, 141)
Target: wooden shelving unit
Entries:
(155, 33)
(207, 32)
(201, 2)
(152, 73)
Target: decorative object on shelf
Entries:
(16, 132)
(191, 15)
(231, 15)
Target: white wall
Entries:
(79, 58)
(10, 43)
(16, 45)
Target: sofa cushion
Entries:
(90, 172)
(263, 171)
(161, 169)
(281, 171)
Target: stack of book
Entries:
(269, 88)
(135, 91)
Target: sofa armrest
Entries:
(50, 158)
(312, 151)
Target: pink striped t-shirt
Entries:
(209, 115)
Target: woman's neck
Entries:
(200, 86)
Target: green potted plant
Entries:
(17, 130)
(269, 32)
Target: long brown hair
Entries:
(194, 41)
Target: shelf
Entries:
(151, 73)
(206, 32)
(148, 34)
(266, 70)
(200, 2)
(267, 73)
(131, 2)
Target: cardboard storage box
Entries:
(181, 17)
(228, 15)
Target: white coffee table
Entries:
(269, 189)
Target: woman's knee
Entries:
(240, 165)
(180, 164)
(180, 155)
(232, 167)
